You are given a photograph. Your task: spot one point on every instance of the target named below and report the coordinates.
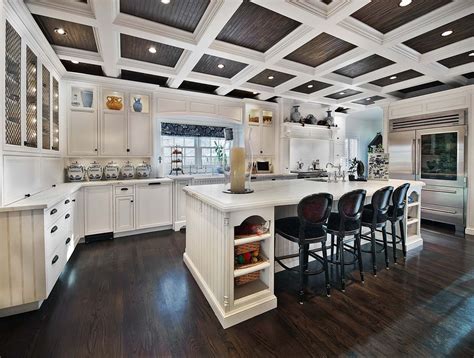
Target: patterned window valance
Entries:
(191, 130)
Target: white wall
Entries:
(364, 126)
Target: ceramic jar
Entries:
(114, 102)
(111, 171)
(137, 104)
(94, 171)
(75, 172)
(128, 171)
(87, 97)
(143, 170)
(296, 115)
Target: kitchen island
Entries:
(213, 216)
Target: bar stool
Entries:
(375, 216)
(305, 229)
(396, 213)
(346, 222)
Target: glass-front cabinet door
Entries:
(55, 101)
(46, 108)
(31, 100)
(441, 156)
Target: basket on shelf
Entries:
(252, 276)
(250, 247)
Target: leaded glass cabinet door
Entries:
(55, 144)
(46, 108)
(31, 99)
(12, 86)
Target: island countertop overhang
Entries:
(285, 192)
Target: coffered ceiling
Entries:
(350, 53)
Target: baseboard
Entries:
(469, 231)
(178, 225)
(10, 311)
(142, 231)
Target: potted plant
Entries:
(352, 169)
(221, 157)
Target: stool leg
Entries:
(340, 245)
(302, 270)
(385, 246)
(359, 258)
(326, 271)
(402, 235)
(332, 246)
(394, 243)
(337, 249)
(372, 246)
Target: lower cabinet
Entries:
(180, 203)
(124, 213)
(98, 209)
(78, 215)
(154, 203)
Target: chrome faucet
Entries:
(337, 174)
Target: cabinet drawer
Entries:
(444, 214)
(54, 266)
(57, 233)
(53, 214)
(441, 195)
(124, 190)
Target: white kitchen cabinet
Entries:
(78, 215)
(82, 132)
(124, 213)
(113, 131)
(262, 138)
(154, 205)
(267, 140)
(139, 135)
(179, 209)
(98, 209)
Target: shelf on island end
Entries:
(249, 289)
(245, 239)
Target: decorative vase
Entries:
(137, 105)
(295, 115)
(87, 97)
(114, 103)
(329, 119)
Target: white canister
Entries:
(75, 172)
(94, 171)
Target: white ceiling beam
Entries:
(448, 51)
(293, 83)
(461, 70)
(406, 84)
(217, 14)
(343, 60)
(145, 67)
(209, 79)
(108, 41)
(377, 74)
(73, 54)
(75, 12)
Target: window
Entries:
(351, 149)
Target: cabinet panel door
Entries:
(124, 213)
(82, 133)
(139, 134)
(98, 209)
(180, 200)
(113, 134)
(267, 140)
(78, 226)
(154, 206)
(254, 139)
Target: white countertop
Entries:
(283, 192)
(50, 197)
(212, 176)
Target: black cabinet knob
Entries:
(73, 200)
(55, 259)
(95, 150)
(54, 229)
(68, 240)
(54, 211)
(131, 201)
(128, 150)
(124, 189)
(67, 216)
(27, 195)
(67, 202)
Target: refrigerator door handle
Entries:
(413, 157)
(418, 158)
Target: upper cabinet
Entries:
(114, 123)
(31, 99)
(260, 128)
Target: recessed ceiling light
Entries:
(447, 33)
(220, 65)
(310, 86)
(271, 77)
(255, 93)
(368, 99)
(165, 1)
(471, 54)
(60, 31)
(152, 49)
(404, 3)
(75, 62)
(393, 77)
(341, 93)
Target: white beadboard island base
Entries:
(212, 216)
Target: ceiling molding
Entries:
(68, 53)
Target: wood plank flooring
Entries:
(134, 297)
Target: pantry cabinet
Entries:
(154, 204)
(98, 209)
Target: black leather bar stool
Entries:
(305, 229)
(346, 222)
(396, 213)
(375, 216)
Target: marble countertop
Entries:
(283, 192)
(50, 197)
(209, 176)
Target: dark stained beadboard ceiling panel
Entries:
(278, 78)
(458, 60)
(181, 14)
(197, 87)
(311, 87)
(421, 87)
(137, 49)
(143, 77)
(462, 28)
(256, 27)
(369, 100)
(364, 66)
(401, 76)
(77, 35)
(81, 67)
(241, 94)
(469, 75)
(322, 48)
(387, 15)
(209, 65)
(343, 94)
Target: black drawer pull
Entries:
(55, 259)
(124, 189)
(54, 211)
(73, 200)
(68, 240)
(67, 202)
(27, 195)
(67, 216)
(154, 183)
(54, 229)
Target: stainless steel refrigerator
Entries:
(430, 148)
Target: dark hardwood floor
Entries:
(134, 297)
